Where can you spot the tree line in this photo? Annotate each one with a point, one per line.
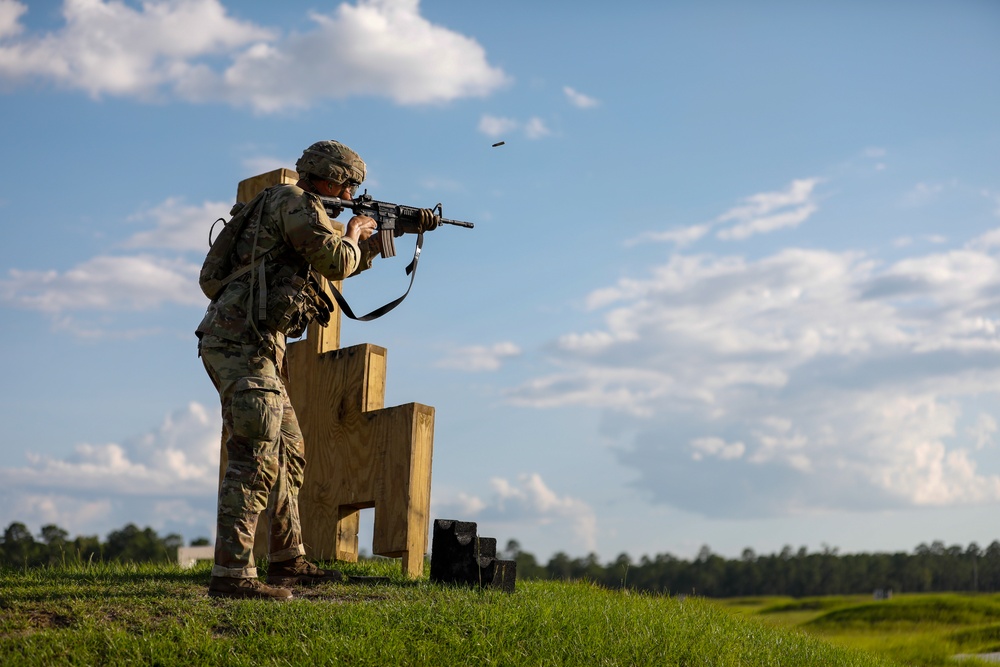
(52, 546)
(797, 573)
(929, 568)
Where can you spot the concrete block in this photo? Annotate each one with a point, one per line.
(460, 556)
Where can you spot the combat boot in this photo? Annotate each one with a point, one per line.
(300, 571)
(246, 589)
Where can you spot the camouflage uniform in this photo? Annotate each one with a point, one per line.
(243, 346)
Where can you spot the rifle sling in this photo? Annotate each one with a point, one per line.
(382, 310)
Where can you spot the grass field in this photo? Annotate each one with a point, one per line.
(157, 615)
(916, 629)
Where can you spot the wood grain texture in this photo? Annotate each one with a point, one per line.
(249, 188)
(327, 338)
(360, 455)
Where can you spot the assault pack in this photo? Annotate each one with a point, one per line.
(217, 270)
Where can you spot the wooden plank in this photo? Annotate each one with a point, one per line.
(360, 455)
(326, 339)
(346, 548)
(328, 393)
(249, 188)
(374, 379)
(403, 488)
(418, 517)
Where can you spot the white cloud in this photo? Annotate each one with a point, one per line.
(983, 430)
(578, 99)
(81, 299)
(109, 283)
(39, 509)
(179, 227)
(374, 47)
(922, 194)
(634, 391)
(262, 164)
(480, 357)
(758, 214)
(180, 458)
(528, 501)
(680, 236)
(84, 514)
(112, 48)
(535, 128)
(168, 476)
(498, 126)
(10, 17)
(831, 379)
(716, 447)
(990, 239)
(769, 211)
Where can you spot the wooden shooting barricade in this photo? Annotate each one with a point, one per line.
(359, 454)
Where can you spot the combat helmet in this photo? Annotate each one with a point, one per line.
(332, 161)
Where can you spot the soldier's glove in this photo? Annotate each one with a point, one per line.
(428, 220)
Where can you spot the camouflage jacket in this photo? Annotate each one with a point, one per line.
(295, 238)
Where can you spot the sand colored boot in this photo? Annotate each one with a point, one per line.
(246, 589)
(299, 571)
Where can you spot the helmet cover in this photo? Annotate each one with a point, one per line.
(331, 161)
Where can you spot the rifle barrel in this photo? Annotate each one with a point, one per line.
(459, 223)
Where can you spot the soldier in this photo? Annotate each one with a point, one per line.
(286, 240)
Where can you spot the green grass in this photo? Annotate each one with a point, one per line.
(156, 615)
(917, 629)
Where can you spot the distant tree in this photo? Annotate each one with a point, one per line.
(560, 566)
(53, 535)
(19, 547)
(528, 567)
(200, 542)
(86, 549)
(989, 568)
(54, 539)
(934, 567)
(130, 544)
(511, 551)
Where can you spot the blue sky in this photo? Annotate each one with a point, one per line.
(734, 279)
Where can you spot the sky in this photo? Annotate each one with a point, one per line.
(734, 279)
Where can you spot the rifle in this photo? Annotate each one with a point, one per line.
(392, 219)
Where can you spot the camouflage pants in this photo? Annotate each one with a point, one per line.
(265, 452)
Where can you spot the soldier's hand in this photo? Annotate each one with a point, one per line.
(360, 227)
